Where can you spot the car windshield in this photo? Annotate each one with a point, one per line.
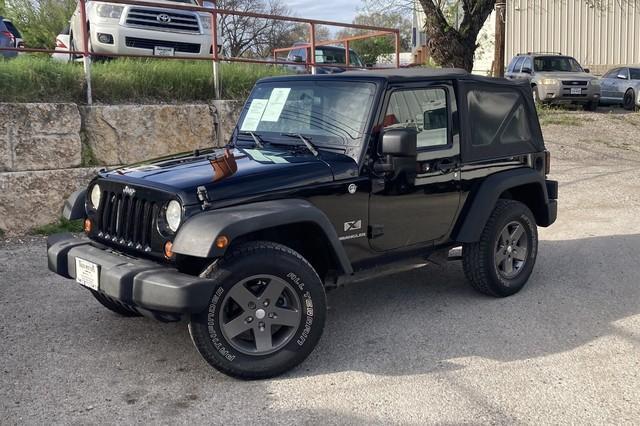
(337, 56)
(556, 63)
(635, 73)
(328, 112)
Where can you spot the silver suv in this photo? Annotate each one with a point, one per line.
(556, 78)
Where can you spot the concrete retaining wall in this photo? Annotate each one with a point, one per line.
(48, 151)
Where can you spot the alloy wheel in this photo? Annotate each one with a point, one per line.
(260, 314)
(511, 250)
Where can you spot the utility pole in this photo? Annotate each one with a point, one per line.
(498, 58)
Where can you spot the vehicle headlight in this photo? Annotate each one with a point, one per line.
(173, 215)
(205, 20)
(109, 11)
(549, 81)
(594, 82)
(95, 196)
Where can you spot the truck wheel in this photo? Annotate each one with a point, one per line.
(501, 262)
(266, 314)
(114, 306)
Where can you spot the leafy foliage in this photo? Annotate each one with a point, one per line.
(40, 21)
(370, 49)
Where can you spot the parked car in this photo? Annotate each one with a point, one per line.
(326, 180)
(143, 30)
(556, 78)
(63, 42)
(7, 39)
(18, 40)
(328, 58)
(621, 86)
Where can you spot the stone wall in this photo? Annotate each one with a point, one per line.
(47, 151)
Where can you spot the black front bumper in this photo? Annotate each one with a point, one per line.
(150, 287)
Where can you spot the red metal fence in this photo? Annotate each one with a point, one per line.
(216, 57)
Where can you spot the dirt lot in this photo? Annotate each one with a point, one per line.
(411, 348)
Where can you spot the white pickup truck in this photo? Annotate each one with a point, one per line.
(144, 30)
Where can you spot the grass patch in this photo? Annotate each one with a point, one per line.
(1, 233)
(32, 78)
(556, 115)
(62, 225)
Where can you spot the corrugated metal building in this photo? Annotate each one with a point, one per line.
(599, 37)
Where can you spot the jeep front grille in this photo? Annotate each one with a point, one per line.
(163, 20)
(126, 220)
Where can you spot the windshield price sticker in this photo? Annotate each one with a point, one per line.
(276, 103)
(252, 119)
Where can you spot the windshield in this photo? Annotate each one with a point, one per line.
(635, 73)
(556, 63)
(337, 56)
(328, 112)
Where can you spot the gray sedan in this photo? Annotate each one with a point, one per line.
(621, 86)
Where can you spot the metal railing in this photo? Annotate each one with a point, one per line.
(216, 57)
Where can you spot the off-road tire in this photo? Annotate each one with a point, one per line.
(479, 258)
(240, 265)
(536, 95)
(114, 305)
(629, 100)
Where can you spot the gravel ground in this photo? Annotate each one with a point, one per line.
(413, 348)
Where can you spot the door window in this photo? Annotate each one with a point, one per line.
(425, 110)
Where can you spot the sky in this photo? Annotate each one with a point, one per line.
(330, 10)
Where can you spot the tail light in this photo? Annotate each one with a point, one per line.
(60, 44)
(547, 162)
(10, 35)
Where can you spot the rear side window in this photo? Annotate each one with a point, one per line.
(12, 29)
(498, 123)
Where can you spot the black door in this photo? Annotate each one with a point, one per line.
(419, 204)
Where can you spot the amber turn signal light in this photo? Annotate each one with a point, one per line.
(168, 249)
(88, 225)
(222, 242)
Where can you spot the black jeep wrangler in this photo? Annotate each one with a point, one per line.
(325, 179)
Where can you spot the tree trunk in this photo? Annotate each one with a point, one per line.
(451, 47)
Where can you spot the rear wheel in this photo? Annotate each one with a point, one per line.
(501, 262)
(629, 100)
(266, 314)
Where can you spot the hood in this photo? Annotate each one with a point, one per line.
(236, 173)
(560, 75)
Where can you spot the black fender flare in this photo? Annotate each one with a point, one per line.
(197, 236)
(74, 205)
(478, 208)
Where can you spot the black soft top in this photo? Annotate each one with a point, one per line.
(403, 74)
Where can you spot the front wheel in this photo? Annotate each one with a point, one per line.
(501, 262)
(266, 314)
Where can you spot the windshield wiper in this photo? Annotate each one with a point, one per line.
(256, 139)
(305, 139)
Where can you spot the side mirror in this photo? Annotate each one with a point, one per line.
(587, 70)
(622, 76)
(297, 58)
(400, 142)
(526, 70)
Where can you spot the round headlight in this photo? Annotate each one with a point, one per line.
(173, 215)
(96, 194)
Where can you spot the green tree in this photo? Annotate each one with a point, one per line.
(370, 49)
(39, 21)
